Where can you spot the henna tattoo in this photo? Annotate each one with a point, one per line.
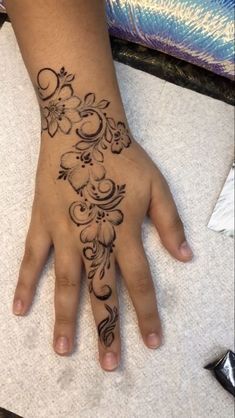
(61, 111)
(95, 210)
(107, 325)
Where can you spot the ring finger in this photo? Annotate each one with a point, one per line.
(136, 273)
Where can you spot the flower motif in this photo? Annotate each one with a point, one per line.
(81, 169)
(121, 139)
(102, 227)
(61, 112)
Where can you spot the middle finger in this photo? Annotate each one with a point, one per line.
(104, 301)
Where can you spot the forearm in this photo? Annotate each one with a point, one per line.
(71, 34)
(94, 183)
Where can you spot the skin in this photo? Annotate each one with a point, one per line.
(83, 47)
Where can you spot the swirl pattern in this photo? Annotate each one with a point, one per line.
(96, 209)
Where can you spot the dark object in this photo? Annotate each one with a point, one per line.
(224, 370)
(173, 70)
(7, 414)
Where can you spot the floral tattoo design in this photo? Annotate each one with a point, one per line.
(96, 208)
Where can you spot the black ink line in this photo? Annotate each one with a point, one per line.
(95, 211)
(107, 325)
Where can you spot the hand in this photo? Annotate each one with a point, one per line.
(93, 190)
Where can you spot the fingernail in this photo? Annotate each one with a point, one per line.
(186, 250)
(153, 341)
(62, 345)
(110, 361)
(17, 307)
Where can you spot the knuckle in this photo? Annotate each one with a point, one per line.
(148, 316)
(142, 285)
(62, 319)
(25, 285)
(63, 279)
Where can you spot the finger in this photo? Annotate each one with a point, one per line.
(136, 273)
(165, 217)
(68, 265)
(37, 247)
(104, 301)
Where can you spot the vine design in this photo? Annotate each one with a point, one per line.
(107, 325)
(96, 209)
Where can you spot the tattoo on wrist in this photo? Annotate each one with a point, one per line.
(64, 110)
(96, 209)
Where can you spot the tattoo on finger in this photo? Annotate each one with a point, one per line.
(96, 208)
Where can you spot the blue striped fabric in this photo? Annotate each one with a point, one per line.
(197, 31)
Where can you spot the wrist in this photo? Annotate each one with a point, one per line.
(95, 122)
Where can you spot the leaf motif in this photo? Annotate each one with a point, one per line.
(62, 175)
(110, 311)
(113, 204)
(101, 274)
(103, 104)
(109, 339)
(82, 145)
(70, 78)
(89, 99)
(107, 326)
(111, 123)
(97, 155)
(108, 135)
(103, 145)
(122, 188)
(91, 274)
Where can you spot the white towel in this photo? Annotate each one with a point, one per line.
(190, 137)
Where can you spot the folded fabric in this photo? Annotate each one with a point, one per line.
(222, 219)
(197, 31)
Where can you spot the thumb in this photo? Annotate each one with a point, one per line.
(165, 217)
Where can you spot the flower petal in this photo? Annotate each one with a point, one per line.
(106, 234)
(78, 177)
(65, 125)
(97, 172)
(115, 217)
(116, 147)
(73, 103)
(52, 126)
(126, 141)
(45, 111)
(70, 160)
(66, 92)
(43, 122)
(72, 115)
(89, 233)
